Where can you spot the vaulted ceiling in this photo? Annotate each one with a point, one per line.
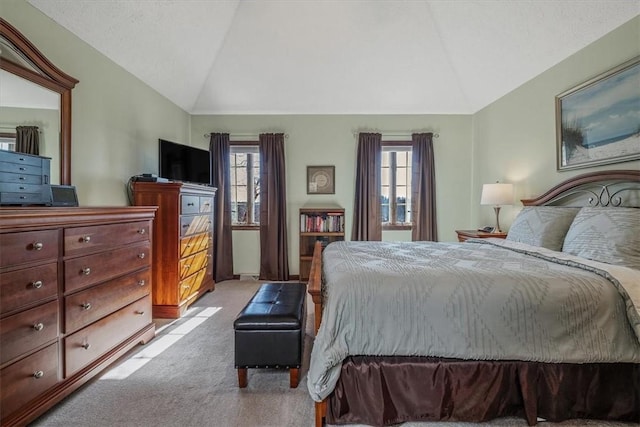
(337, 57)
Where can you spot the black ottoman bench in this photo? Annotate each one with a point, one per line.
(269, 331)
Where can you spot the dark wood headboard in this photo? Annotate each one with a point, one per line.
(604, 188)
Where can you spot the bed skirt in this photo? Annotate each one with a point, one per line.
(381, 391)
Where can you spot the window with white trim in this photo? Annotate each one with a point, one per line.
(8, 143)
(395, 194)
(245, 185)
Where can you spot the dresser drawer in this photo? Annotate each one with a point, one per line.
(27, 330)
(191, 284)
(206, 204)
(192, 244)
(194, 224)
(19, 187)
(28, 378)
(22, 287)
(189, 204)
(39, 198)
(87, 306)
(17, 158)
(210, 262)
(18, 178)
(193, 263)
(28, 246)
(86, 345)
(81, 240)
(91, 269)
(22, 168)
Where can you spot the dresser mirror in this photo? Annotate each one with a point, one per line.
(34, 92)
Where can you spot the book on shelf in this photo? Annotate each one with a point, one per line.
(321, 223)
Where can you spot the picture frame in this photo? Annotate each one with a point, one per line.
(321, 180)
(597, 121)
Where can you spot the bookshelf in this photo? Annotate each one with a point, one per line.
(324, 223)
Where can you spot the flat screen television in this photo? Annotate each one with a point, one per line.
(184, 163)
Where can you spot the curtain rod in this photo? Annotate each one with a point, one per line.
(14, 127)
(394, 134)
(246, 136)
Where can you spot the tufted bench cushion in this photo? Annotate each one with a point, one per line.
(269, 331)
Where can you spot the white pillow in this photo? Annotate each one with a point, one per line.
(543, 226)
(610, 235)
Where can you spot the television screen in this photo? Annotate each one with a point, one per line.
(184, 163)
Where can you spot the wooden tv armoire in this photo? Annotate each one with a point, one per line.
(183, 243)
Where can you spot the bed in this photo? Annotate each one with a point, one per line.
(542, 325)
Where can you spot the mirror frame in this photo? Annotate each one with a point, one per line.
(50, 77)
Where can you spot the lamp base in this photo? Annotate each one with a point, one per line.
(497, 210)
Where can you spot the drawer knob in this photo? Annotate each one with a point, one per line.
(86, 239)
(141, 282)
(37, 284)
(86, 306)
(142, 231)
(86, 271)
(22, 169)
(140, 312)
(38, 374)
(191, 204)
(38, 246)
(22, 178)
(38, 326)
(141, 255)
(86, 346)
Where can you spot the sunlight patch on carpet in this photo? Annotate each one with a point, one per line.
(165, 338)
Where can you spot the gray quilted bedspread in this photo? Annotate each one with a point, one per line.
(481, 300)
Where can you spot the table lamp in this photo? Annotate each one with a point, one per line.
(497, 195)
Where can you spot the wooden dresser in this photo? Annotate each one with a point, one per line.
(75, 287)
(183, 244)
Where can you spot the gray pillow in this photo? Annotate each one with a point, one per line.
(543, 226)
(610, 235)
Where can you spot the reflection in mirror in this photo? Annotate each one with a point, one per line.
(24, 103)
(26, 70)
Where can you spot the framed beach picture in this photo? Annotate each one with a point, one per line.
(598, 122)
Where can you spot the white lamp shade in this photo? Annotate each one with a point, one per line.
(497, 194)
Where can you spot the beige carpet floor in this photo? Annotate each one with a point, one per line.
(185, 377)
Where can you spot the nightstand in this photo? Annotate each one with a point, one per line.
(475, 234)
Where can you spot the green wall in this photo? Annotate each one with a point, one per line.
(330, 140)
(514, 138)
(117, 119)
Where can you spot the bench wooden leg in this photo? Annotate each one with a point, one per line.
(242, 377)
(293, 377)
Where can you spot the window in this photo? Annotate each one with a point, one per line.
(8, 141)
(395, 193)
(245, 185)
